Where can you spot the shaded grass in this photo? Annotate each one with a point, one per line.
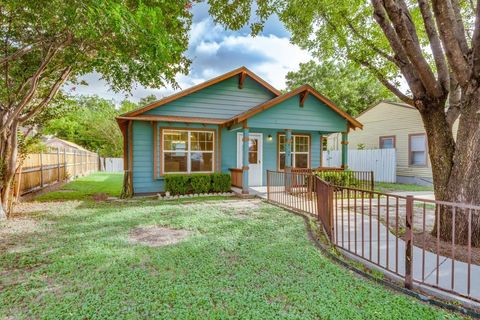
(392, 187)
(84, 187)
(244, 259)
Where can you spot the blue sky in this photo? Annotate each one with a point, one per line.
(214, 50)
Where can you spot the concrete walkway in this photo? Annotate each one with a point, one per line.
(429, 195)
(374, 242)
(366, 238)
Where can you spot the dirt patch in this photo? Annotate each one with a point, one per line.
(100, 196)
(429, 242)
(156, 236)
(18, 226)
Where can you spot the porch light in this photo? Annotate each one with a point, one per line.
(269, 138)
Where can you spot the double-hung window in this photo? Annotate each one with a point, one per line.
(188, 151)
(300, 151)
(417, 148)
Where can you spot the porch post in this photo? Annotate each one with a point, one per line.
(245, 160)
(321, 151)
(345, 150)
(288, 150)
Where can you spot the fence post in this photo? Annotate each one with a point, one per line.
(372, 182)
(41, 169)
(58, 165)
(74, 163)
(409, 243)
(268, 185)
(64, 163)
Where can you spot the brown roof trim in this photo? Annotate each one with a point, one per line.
(152, 117)
(305, 88)
(200, 86)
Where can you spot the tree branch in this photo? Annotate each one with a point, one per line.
(33, 87)
(435, 44)
(371, 44)
(461, 35)
(447, 27)
(390, 86)
(53, 91)
(406, 67)
(405, 29)
(17, 54)
(476, 44)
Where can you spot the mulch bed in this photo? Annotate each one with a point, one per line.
(445, 248)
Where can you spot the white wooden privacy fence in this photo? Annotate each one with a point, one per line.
(382, 162)
(111, 164)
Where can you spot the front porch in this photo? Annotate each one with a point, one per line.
(259, 150)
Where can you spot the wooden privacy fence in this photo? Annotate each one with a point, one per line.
(52, 166)
(383, 162)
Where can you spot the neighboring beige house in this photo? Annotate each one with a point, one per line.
(394, 125)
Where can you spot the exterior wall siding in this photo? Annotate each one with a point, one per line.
(388, 119)
(143, 175)
(220, 101)
(314, 115)
(269, 160)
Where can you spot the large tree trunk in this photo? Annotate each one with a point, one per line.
(8, 155)
(456, 169)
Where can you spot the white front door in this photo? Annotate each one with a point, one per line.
(255, 154)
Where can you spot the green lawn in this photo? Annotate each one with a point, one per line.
(392, 187)
(86, 187)
(244, 259)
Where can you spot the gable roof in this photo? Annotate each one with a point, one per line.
(305, 89)
(240, 71)
(393, 103)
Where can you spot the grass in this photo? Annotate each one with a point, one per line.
(86, 187)
(244, 259)
(393, 187)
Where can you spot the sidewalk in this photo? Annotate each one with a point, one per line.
(355, 238)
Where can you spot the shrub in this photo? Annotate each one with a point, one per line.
(221, 182)
(177, 183)
(339, 178)
(200, 183)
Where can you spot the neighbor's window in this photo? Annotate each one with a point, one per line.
(300, 151)
(387, 142)
(417, 146)
(187, 151)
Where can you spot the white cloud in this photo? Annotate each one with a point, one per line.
(214, 51)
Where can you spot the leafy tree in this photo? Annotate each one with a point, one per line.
(89, 122)
(45, 43)
(147, 100)
(345, 84)
(433, 45)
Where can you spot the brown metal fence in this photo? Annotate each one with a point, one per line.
(298, 189)
(403, 236)
(39, 170)
(423, 242)
(293, 190)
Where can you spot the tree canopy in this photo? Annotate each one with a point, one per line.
(88, 121)
(45, 43)
(347, 85)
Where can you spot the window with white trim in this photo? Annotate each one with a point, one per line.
(188, 151)
(300, 151)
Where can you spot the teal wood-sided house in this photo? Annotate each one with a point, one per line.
(234, 123)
